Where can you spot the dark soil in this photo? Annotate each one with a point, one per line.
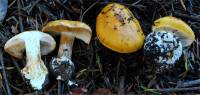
(97, 66)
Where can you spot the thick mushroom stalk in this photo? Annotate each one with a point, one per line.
(66, 44)
(62, 66)
(35, 70)
(35, 44)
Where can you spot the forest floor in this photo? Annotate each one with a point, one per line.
(99, 70)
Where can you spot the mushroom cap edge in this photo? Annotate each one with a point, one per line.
(16, 45)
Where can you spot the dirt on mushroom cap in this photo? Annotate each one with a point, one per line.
(118, 29)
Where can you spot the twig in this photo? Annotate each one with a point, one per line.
(8, 68)
(44, 9)
(59, 86)
(18, 69)
(183, 5)
(34, 93)
(81, 18)
(17, 89)
(33, 5)
(135, 3)
(19, 17)
(121, 86)
(67, 9)
(189, 83)
(52, 88)
(12, 3)
(178, 89)
(4, 73)
(195, 18)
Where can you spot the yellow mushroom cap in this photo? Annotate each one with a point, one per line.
(177, 26)
(118, 29)
(77, 29)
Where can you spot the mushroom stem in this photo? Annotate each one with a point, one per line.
(63, 63)
(66, 44)
(35, 70)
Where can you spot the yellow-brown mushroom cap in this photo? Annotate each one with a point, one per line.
(177, 26)
(118, 29)
(77, 29)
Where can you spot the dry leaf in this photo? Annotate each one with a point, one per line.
(78, 91)
(14, 29)
(102, 91)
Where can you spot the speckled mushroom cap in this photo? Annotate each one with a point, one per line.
(163, 46)
(118, 29)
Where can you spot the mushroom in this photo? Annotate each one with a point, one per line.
(166, 43)
(164, 48)
(3, 9)
(62, 66)
(35, 43)
(118, 29)
(177, 27)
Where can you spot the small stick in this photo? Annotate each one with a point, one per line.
(18, 69)
(178, 89)
(19, 17)
(189, 83)
(71, 12)
(121, 85)
(52, 88)
(34, 93)
(195, 18)
(17, 89)
(33, 5)
(59, 86)
(81, 17)
(46, 11)
(8, 68)
(4, 73)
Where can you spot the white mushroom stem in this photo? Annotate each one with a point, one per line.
(35, 70)
(35, 43)
(66, 45)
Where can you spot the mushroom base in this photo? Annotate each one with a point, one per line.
(162, 68)
(163, 48)
(36, 74)
(159, 68)
(62, 68)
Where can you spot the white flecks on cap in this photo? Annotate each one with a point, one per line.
(164, 46)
